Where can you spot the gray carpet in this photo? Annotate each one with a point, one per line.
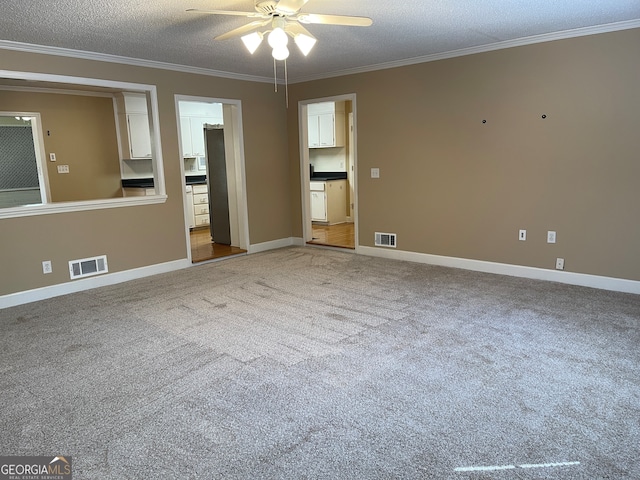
(306, 363)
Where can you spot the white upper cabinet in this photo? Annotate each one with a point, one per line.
(134, 121)
(193, 117)
(139, 135)
(326, 125)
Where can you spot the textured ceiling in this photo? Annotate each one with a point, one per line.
(163, 31)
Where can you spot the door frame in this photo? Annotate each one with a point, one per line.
(38, 146)
(305, 174)
(232, 109)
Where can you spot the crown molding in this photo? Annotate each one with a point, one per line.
(518, 42)
(136, 62)
(104, 57)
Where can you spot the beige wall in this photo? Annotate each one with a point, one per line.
(140, 236)
(451, 185)
(82, 134)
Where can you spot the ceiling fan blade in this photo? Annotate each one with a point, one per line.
(242, 30)
(295, 28)
(335, 20)
(225, 12)
(289, 7)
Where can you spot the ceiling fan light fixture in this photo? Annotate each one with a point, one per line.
(304, 42)
(277, 38)
(252, 41)
(280, 53)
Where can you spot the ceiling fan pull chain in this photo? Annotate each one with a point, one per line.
(275, 76)
(286, 83)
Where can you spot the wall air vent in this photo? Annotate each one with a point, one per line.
(385, 240)
(87, 267)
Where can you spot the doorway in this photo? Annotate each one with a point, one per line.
(328, 171)
(212, 154)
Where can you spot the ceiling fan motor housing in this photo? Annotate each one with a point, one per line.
(266, 7)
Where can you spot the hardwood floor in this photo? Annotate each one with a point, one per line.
(203, 249)
(340, 235)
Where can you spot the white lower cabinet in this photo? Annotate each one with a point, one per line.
(318, 207)
(200, 203)
(329, 201)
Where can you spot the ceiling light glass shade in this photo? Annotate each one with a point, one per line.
(305, 43)
(252, 41)
(277, 38)
(280, 53)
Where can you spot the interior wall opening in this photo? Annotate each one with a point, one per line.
(213, 165)
(328, 155)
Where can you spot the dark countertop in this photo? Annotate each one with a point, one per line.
(327, 176)
(137, 182)
(195, 179)
(148, 182)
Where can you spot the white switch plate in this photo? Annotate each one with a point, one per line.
(52, 157)
(63, 168)
(559, 263)
(46, 267)
(375, 173)
(551, 237)
(522, 235)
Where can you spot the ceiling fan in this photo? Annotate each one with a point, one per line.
(282, 19)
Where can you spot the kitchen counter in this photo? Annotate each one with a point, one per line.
(148, 182)
(137, 182)
(195, 180)
(327, 176)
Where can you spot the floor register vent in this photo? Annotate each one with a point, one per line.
(385, 240)
(87, 267)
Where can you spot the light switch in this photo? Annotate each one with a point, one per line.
(63, 168)
(375, 173)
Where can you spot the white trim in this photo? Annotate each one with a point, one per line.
(28, 296)
(94, 82)
(274, 244)
(517, 42)
(57, 91)
(138, 62)
(571, 278)
(64, 207)
(158, 167)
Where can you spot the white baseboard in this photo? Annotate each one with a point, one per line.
(571, 278)
(273, 244)
(36, 294)
(28, 296)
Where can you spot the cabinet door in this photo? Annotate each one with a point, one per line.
(197, 135)
(185, 135)
(139, 135)
(326, 127)
(313, 133)
(318, 206)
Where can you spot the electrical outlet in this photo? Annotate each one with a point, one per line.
(375, 173)
(551, 237)
(46, 267)
(522, 235)
(63, 168)
(52, 157)
(559, 263)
